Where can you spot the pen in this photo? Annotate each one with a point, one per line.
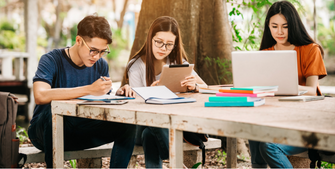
(103, 79)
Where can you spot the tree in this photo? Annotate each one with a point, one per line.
(123, 12)
(205, 31)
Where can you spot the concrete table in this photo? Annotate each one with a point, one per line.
(305, 124)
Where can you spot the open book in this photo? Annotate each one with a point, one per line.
(160, 95)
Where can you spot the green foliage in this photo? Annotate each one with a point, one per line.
(326, 37)
(73, 32)
(248, 38)
(196, 165)
(5, 25)
(221, 157)
(9, 39)
(117, 45)
(242, 158)
(222, 67)
(327, 165)
(73, 163)
(22, 134)
(2, 3)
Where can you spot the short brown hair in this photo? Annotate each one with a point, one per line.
(95, 26)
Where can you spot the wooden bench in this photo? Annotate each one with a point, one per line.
(37, 156)
(13, 78)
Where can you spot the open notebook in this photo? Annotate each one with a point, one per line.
(160, 95)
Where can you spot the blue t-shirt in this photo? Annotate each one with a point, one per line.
(58, 70)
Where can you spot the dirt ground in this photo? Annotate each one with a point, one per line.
(213, 161)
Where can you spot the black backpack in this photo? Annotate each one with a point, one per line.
(9, 143)
(197, 139)
(314, 156)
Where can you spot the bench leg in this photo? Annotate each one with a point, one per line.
(192, 157)
(89, 163)
(132, 162)
(231, 153)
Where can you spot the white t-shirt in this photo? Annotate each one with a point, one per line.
(137, 76)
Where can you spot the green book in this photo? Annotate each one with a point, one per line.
(235, 104)
(256, 88)
(233, 99)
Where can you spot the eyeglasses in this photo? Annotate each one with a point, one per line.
(95, 52)
(160, 44)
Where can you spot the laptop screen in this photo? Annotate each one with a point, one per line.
(266, 68)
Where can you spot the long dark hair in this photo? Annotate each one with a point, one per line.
(164, 24)
(297, 34)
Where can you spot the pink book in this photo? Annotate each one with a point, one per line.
(246, 94)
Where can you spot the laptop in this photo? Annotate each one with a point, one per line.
(267, 68)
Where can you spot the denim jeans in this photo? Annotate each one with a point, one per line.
(155, 143)
(272, 154)
(81, 133)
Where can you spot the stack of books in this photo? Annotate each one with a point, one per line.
(241, 97)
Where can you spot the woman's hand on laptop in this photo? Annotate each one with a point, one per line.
(190, 82)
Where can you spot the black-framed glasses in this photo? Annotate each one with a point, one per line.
(160, 44)
(95, 52)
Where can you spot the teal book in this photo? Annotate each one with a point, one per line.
(256, 88)
(233, 99)
(235, 104)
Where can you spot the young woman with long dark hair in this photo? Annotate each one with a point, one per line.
(163, 46)
(285, 31)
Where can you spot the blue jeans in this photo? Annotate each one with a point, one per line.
(272, 154)
(155, 143)
(80, 133)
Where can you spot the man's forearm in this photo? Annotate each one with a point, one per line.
(45, 96)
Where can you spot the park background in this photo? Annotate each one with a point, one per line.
(211, 29)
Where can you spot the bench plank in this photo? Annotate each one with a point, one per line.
(35, 155)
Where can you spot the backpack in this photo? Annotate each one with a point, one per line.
(314, 156)
(9, 143)
(197, 139)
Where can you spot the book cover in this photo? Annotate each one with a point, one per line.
(233, 99)
(251, 90)
(235, 104)
(302, 98)
(160, 95)
(256, 88)
(155, 100)
(265, 94)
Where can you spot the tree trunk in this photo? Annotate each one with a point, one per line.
(205, 32)
(58, 24)
(123, 12)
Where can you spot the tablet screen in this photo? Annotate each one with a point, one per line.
(173, 75)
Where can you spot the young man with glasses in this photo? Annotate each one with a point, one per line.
(73, 72)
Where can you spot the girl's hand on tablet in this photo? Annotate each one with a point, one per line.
(189, 82)
(155, 83)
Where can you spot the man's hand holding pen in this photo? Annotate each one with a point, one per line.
(106, 85)
(101, 86)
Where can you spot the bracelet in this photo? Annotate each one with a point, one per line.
(195, 88)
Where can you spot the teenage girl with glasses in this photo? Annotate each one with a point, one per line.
(163, 46)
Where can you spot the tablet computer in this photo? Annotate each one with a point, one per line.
(173, 75)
